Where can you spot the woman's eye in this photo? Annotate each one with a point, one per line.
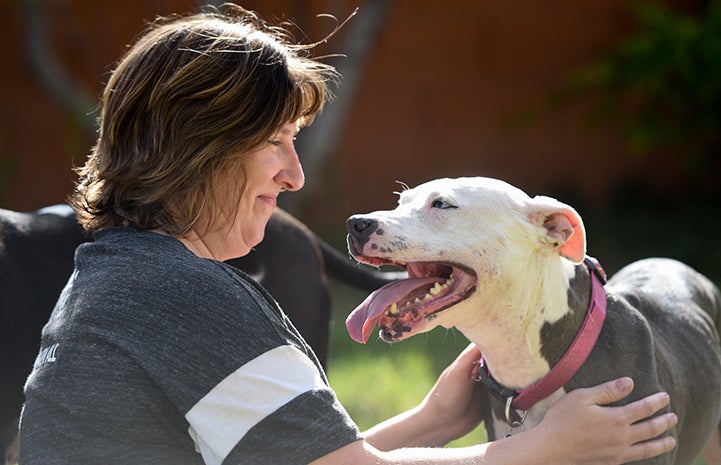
(442, 204)
(275, 142)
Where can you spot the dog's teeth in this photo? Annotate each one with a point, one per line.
(393, 310)
(432, 292)
(435, 289)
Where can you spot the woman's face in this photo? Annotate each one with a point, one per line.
(273, 168)
(270, 169)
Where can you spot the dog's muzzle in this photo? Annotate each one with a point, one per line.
(359, 230)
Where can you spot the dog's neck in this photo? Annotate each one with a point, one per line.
(557, 336)
(537, 321)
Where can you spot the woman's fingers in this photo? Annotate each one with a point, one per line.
(617, 389)
(644, 408)
(652, 427)
(644, 430)
(470, 357)
(619, 434)
(648, 449)
(610, 391)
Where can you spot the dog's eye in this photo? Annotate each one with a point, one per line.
(442, 204)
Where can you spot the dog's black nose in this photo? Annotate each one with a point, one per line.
(359, 230)
(361, 225)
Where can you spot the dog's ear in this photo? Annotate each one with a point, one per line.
(564, 228)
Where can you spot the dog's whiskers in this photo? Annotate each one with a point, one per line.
(403, 185)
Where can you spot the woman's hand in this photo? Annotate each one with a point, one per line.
(580, 424)
(587, 432)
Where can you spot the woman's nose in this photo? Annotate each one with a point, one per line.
(291, 177)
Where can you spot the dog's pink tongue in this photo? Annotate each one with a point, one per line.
(363, 319)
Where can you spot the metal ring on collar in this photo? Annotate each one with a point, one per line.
(514, 423)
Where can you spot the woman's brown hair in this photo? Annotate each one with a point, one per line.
(191, 97)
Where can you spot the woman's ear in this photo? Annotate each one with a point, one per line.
(563, 225)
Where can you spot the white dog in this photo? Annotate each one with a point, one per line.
(511, 273)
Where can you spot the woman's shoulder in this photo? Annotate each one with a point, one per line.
(153, 263)
(144, 270)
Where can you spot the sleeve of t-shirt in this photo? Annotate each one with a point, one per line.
(274, 409)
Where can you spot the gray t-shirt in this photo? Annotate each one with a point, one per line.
(155, 356)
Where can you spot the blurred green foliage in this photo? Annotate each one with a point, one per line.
(662, 85)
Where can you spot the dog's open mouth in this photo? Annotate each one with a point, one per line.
(401, 306)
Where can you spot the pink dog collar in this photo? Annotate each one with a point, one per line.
(570, 362)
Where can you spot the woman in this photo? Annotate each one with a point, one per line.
(157, 352)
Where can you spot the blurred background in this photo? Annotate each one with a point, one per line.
(611, 106)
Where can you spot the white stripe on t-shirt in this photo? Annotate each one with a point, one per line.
(223, 416)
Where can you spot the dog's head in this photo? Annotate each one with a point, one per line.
(469, 245)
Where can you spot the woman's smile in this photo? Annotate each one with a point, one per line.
(269, 199)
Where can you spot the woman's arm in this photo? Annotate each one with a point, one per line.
(577, 430)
